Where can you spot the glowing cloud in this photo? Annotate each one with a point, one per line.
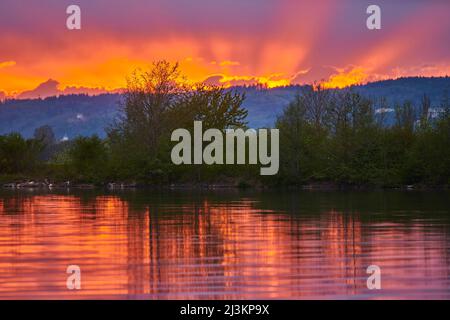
(7, 64)
(229, 42)
(345, 78)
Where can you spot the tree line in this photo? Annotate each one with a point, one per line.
(329, 135)
(326, 135)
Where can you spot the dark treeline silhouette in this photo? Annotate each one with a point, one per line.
(337, 136)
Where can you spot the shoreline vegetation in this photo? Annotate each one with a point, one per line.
(329, 139)
(36, 185)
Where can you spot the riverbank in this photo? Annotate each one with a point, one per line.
(230, 183)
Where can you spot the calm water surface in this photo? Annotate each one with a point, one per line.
(225, 245)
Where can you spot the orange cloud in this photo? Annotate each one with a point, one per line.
(6, 64)
(229, 63)
(345, 78)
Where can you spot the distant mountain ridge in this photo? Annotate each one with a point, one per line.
(73, 115)
(50, 88)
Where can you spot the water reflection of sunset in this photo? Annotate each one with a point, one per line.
(210, 249)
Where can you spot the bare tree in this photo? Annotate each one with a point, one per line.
(147, 98)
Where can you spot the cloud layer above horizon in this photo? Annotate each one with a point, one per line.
(233, 42)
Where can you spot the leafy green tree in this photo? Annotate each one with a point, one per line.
(215, 106)
(303, 144)
(147, 98)
(155, 103)
(45, 135)
(405, 116)
(88, 157)
(18, 155)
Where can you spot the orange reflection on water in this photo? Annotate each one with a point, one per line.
(211, 249)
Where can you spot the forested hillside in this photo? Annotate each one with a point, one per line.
(85, 115)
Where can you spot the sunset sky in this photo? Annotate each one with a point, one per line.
(232, 42)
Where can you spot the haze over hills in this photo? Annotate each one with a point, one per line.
(81, 114)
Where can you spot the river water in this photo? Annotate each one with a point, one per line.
(224, 245)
